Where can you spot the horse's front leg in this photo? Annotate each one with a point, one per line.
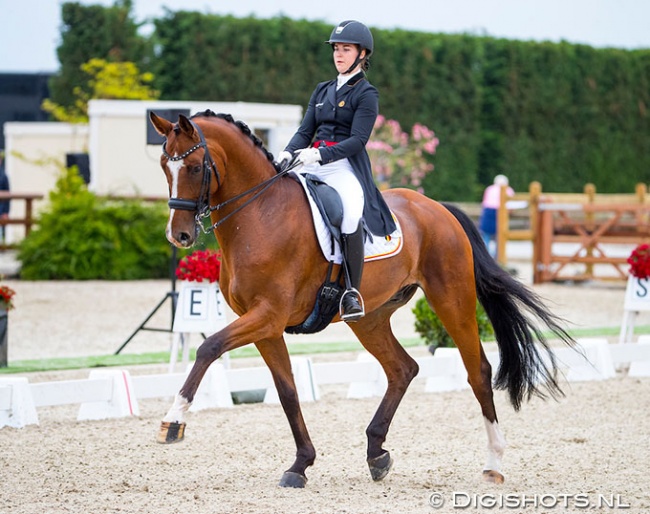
(242, 331)
(276, 357)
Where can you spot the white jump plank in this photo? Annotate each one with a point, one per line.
(344, 372)
(5, 397)
(247, 379)
(49, 394)
(157, 386)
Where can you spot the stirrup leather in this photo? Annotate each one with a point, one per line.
(352, 316)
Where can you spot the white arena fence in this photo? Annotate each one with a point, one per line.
(110, 393)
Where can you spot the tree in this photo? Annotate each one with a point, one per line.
(90, 32)
(108, 80)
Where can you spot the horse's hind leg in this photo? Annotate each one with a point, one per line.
(458, 314)
(376, 336)
(277, 359)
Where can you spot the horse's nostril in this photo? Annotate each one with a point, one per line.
(184, 238)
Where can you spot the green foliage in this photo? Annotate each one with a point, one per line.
(558, 113)
(95, 31)
(431, 329)
(107, 80)
(81, 236)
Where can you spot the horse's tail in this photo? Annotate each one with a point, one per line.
(523, 369)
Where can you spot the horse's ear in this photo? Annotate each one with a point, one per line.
(185, 125)
(162, 126)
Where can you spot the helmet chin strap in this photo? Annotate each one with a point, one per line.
(356, 63)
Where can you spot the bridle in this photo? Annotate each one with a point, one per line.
(201, 207)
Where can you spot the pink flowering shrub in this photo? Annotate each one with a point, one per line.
(399, 159)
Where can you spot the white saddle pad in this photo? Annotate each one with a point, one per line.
(378, 248)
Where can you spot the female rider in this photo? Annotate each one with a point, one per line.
(331, 144)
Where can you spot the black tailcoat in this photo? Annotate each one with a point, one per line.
(347, 116)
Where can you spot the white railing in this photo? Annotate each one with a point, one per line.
(111, 393)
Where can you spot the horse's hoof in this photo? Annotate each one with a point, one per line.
(494, 477)
(292, 479)
(380, 466)
(171, 432)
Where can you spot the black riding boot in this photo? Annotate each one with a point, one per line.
(351, 301)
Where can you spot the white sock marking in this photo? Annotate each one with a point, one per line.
(496, 445)
(177, 413)
(174, 168)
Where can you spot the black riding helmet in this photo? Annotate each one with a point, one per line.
(355, 32)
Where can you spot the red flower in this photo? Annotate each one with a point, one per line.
(639, 261)
(200, 265)
(6, 297)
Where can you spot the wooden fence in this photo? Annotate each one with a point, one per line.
(587, 221)
(27, 221)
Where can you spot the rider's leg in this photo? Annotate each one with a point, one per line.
(352, 248)
(340, 176)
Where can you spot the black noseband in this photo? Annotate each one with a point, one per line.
(183, 205)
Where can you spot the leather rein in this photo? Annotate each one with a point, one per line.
(202, 206)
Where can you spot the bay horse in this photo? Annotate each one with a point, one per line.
(272, 268)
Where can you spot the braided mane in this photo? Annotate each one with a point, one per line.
(243, 127)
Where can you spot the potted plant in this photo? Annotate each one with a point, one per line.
(435, 335)
(199, 266)
(637, 292)
(639, 261)
(200, 306)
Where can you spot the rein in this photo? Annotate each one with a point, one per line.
(202, 206)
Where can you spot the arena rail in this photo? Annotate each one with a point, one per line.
(585, 219)
(27, 221)
(111, 393)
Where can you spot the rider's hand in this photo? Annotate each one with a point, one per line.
(284, 158)
(308, 156)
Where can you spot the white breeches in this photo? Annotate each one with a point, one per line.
(340, 176)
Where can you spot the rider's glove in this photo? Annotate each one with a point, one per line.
(308, 156)
(284, 158)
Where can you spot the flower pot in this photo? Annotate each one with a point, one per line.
(4, 337)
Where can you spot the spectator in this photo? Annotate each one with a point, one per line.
(489, 209)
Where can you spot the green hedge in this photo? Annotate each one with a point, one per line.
(559, 113)
(80, 236)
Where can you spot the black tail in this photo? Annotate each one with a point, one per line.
(523, 370)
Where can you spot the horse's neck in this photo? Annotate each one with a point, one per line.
(245, 193)
(249, 172)
(267, 215)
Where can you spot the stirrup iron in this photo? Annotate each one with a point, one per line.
(352, 316)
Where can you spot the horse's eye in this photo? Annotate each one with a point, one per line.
(195, 170)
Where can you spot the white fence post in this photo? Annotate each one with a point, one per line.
(449, 374)
(371, 383)
(595, 364)
(17, 407)
(214, 390)
(303, 376)
(121, 402)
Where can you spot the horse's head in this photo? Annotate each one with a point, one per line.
(198, 154)
(191, 173)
